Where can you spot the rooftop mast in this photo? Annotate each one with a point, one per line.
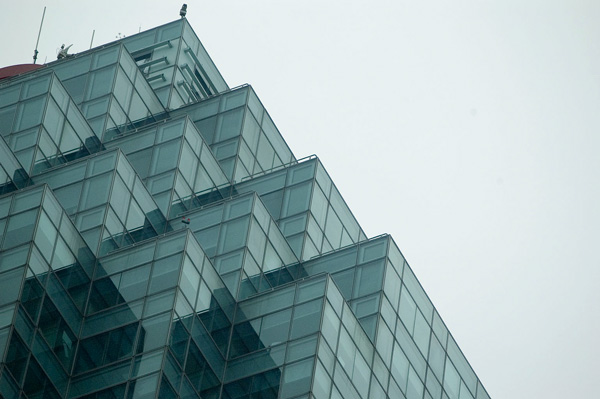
(35, 52)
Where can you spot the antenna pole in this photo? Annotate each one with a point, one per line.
(93, 32)
(35, 52)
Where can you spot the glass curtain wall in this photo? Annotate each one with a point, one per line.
(175, 64)
(12, 174)
(194, 256)
(175, 164)
(243, 242)
(107, 200)
(240, 132)
(42, 125)
(46, 270)
(307, 207)
(110, 90)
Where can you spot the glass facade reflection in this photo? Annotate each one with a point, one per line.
(175, 163)
(240, 132)
(42, 125)
(159, 239)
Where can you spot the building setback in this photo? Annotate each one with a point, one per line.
(158, 239)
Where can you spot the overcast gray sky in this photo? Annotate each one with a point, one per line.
(469, 130)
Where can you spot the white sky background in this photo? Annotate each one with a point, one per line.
(469, 130)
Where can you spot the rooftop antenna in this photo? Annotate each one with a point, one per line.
(92, 41)
(35, 52)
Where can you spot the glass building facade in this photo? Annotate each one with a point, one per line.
(159, 239)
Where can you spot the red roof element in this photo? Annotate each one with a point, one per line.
(15, 70)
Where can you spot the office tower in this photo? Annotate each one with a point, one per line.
(159, 239)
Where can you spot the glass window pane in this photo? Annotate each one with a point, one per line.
(165, 273)
(421, 334)
(27, 200)
(6, 119)
(10, 285)
(296, 199)
(101, 164)
(301, 173)
(307, 318)
(275, 328)
(10, 95)
(105, 57)
(95, 191)
(369, 278)
(35, 87)
(165, 157)
(451, 379)
(20, 228)
(75, 87)
(45, 236)
(297, 378)
(29, 113)
(229, 124)
(100, 83)
(233, 234)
